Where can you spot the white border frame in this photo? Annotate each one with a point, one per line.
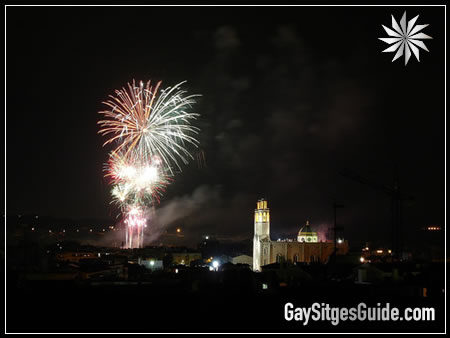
(283, 5)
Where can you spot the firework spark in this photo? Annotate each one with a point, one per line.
(136, 222)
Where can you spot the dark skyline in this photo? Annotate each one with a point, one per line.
(291, 96)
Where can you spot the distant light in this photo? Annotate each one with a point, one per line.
(32, 229)
(265, 286)
(49, 230)
(206, 237)
(64, 230)
(37, 216)
(90, 230)
(176, 270)
(362, 259)
(215, 264)
(152, 263)
(178, 230)
(389, 251)
(340, 240)
(103, 230)
(99, 254)
(367, 248)
(78, 230)
(379, 251)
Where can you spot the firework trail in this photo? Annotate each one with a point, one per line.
(151, 129)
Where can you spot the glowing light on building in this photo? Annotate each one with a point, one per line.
(362, 259)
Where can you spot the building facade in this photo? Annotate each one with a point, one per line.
(306, 248)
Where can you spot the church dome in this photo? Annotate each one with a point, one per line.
(305, 229)
(307, 235)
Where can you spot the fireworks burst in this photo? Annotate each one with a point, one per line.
(152, 129)
(151, 123)
(136, 181)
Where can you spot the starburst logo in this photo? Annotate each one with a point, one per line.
(405, 38)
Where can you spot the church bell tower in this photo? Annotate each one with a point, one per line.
(261, 234)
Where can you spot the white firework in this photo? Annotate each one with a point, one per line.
(405, 38)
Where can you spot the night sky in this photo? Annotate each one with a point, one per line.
(291, 96)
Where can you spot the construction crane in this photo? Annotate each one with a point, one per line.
(336, 228)
(396, 202)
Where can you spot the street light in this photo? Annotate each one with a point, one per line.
(215, 265)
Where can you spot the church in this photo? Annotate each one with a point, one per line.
(306, 248)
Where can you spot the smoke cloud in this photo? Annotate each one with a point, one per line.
(202, 200)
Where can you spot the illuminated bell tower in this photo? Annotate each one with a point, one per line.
(261, 234)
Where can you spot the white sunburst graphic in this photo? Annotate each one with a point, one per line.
(405, 38)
